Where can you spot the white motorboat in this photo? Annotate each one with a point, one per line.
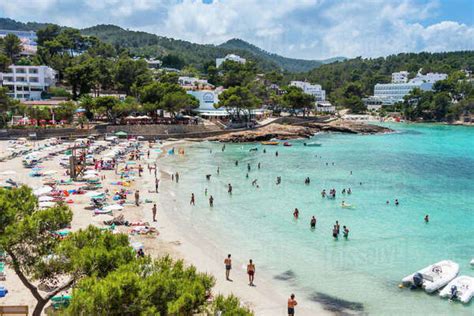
(434, 276)
(461, 288)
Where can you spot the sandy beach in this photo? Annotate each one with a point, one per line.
(174, 240)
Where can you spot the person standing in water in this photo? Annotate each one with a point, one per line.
(396, 202)
(236, 163)
(218, 170)
(228, 267)
(229, 190)
(338, 227)
(296, 213)
(211, 201)
(313, 222)
(251, 272)
(334, 232)
(345, 232)
(205, 191)
(291, 305)
(192, 202)
(427, 219)
(258, 165)
(248, 167)
(154, 212)
(276, 153)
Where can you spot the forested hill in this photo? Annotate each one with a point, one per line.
(183, 52)
(369, 71)
(196, 54)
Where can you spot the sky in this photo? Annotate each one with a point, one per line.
(308, 29)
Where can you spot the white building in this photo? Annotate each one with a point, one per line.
(231, 57)
(192, 82)
(400, 77)
(27, 82)
(391, 93)
(325, 107)
(313, 89)
(207, 101)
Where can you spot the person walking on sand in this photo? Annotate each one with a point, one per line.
(251, 272)
(211, 201)
(177, 177)
(137, 198)
(157, 183)
(140, 170)
(192, 202)
(228, 267)
(291, 305)
(154, 212)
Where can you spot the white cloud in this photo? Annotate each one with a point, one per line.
(295, 28)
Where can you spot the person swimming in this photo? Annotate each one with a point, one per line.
(296, 213)
(396, 202)
(312, 223)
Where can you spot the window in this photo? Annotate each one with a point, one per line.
(33, 79)
(33, 71)
(20, 70)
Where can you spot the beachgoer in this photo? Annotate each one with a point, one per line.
(223, 147)
(396, 202)
(251, 272)
(334, 232)
(343, 191)
(177, 177)
(137, 198)
(291, 305)
(208, 177)
(218, 170)
(258, 166)
(140, 253)
(313, 222)
(228, 267)
(264, 151)
(427, 219)
(157, 183)
(211, 201)
(349, 191)
(192, 202)
(172, 177)
(323, 193)
(345, 232)
(296, 213)
(338, 227)
(254, 182)
(247, 175)
(205, 191)
(236, 162)
(148, 154)
(229, 190)
(248, 167)
(140, 170)
(276, 153)
(388, 202)
(154, 212)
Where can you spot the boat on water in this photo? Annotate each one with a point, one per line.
(312, 144)
(461, 289)
(287, 144)
(271, 143)
(433, 277)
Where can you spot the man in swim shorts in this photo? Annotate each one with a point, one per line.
(251, 272)
(228, 267)
(291, 305)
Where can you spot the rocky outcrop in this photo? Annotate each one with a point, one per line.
(305, 130)
(272, 131)
(342, 126)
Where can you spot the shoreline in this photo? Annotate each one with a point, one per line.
(267, 298)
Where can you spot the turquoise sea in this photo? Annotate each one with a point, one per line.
(428, 168)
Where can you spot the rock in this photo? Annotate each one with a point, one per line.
(303, 130)
(277, 131)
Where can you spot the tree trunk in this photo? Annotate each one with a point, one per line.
(39, 307)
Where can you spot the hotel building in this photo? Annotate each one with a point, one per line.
(27, 82)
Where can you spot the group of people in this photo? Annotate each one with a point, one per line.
(336, 231)
(251, 276)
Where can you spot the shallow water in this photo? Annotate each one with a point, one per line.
(428, 168)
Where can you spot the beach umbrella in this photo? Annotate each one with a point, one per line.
(93, 193)
(50, 172)
(45, 198)
(91, 176)
(42, 191)
(121, 134)
(46, 204)
(113, 207)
